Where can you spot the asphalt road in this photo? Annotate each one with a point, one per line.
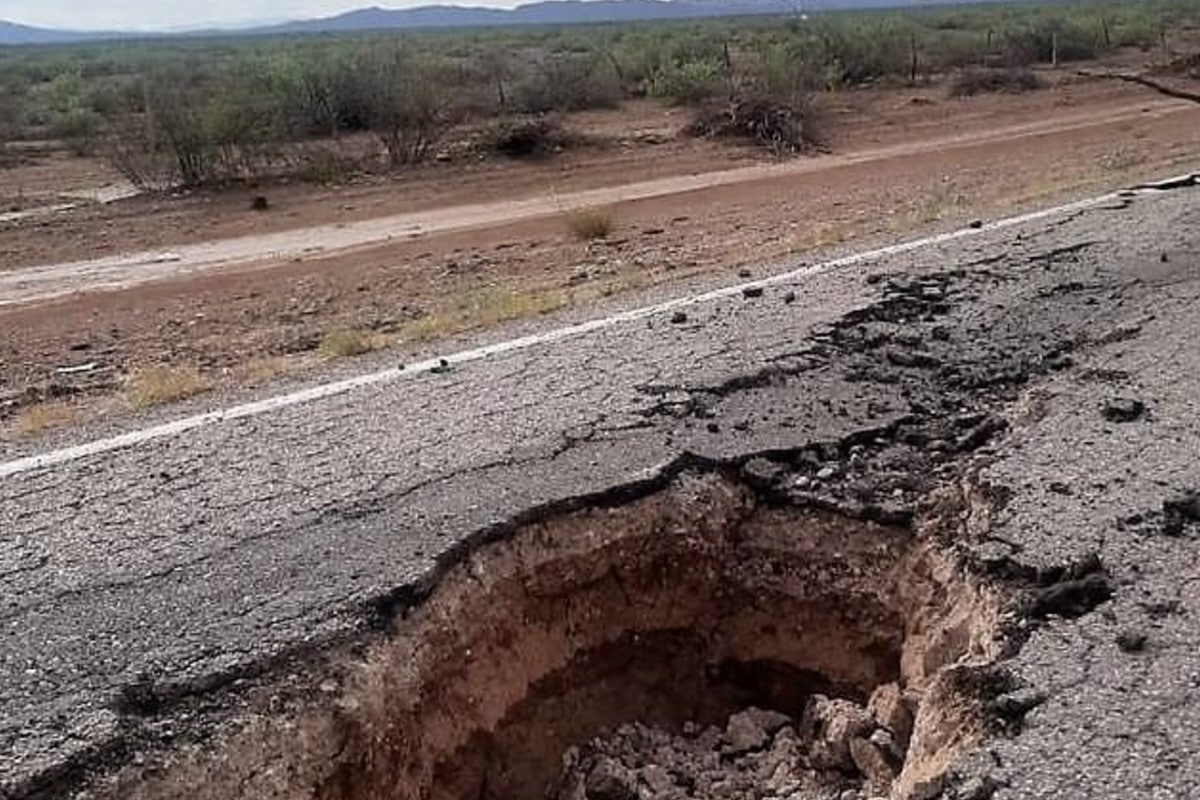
(178, 563)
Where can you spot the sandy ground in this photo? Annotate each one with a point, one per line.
(200, 283)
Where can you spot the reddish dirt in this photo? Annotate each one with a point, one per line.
(238, 325)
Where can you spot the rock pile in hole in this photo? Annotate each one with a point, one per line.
(836, 750)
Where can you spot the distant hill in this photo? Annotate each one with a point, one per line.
(547, 12)
(12, 33)
(563, 12)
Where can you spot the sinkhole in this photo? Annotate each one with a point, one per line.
(699, 641)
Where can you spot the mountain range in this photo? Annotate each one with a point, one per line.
(547, 12)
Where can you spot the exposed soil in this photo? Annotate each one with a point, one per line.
(741, 636)
(893, 170)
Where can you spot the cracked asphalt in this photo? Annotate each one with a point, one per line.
(136, 581)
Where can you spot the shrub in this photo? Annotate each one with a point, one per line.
(8, 126)
(591, 224)
(326, 165)
(690, 83)
(782, 127)
(979, 81)
(80, 129)
(1036, 44)
(857, 53)
(185, 136)
(526, 137)
(408, 104)
(568, 82)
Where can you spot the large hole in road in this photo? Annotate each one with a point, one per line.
(695, 642)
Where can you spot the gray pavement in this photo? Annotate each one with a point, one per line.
(187, 563)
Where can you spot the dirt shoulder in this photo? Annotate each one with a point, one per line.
(902, 161)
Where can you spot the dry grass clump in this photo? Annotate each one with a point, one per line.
(345, 343)
(36, 419)
(486, 307)
(258, 371)
(161, 384)
(590, 224)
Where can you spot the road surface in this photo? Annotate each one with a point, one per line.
(144, 575)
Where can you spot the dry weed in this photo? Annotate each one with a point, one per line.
(590, 224)
(345, 343)
(38, 418)
(485, 307)
(161, 384)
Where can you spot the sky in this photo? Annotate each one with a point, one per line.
(168, 14)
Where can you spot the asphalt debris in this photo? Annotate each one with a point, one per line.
(1124, 409)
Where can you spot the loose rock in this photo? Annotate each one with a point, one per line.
(1131, 641)
(874, 764)
(834, 723)
(1125, 409)
(752, 729)
(889, 710)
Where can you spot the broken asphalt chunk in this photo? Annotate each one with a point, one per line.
(1124, 409)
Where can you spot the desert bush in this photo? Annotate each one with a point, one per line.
(781, 126)
(192, 139)
(944, 50)
(568, 82)
(772, 103)
(863, 52)
(690, 83)
(69, 115)
(322, 93)
(974, 81)
(9, 114)
(210, 110)
(326, 164)
(80, 129)
(1049, 38)
(407, 105)
(525, 137)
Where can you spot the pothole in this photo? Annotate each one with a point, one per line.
(696, 642)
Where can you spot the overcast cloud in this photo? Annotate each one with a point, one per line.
(158, 14)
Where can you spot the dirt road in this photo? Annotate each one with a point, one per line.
(229, 298)
(32, 284)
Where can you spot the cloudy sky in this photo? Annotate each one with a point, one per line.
(157, 14)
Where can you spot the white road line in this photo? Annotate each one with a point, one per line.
(180, 426)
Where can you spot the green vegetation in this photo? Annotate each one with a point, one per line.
(209, 111)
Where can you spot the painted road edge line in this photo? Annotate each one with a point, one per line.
(409, 371)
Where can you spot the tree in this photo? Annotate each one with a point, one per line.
(409, 102)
